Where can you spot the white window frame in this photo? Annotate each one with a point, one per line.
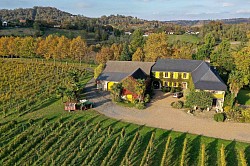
(168, 74)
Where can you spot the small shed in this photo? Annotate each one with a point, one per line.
(70, 106)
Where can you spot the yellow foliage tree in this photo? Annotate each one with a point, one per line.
(138, 55)
(156, 47)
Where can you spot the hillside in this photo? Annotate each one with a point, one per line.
(54, 15)
(49, 14)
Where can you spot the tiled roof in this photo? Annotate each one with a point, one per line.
(118, 70)
(176, 65)
(203, 76)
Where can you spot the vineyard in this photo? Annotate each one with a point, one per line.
(88, 138)
(32, 133)
(27, 85)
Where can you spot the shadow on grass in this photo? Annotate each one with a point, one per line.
(139, 152)
(195, 146)
(231, 155)
(40, 106)
(177, 149)
(212, 151)
(160, 147)
(247, 154)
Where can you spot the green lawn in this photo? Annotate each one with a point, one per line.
(244, 97)
(184, 38)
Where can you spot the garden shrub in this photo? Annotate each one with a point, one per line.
(178, 104)
(136, 101)
(164, 89)
(147, 98)
(246, 114)
(227, 109)
(219, 117)
(140, 106)
(172, 103)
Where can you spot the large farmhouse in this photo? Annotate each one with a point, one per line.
(186, 74)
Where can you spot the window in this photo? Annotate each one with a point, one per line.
(175, 84)
(165, 83)
(184, 85)
(166, 75)
(185, 75)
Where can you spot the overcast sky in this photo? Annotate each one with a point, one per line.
(146, 9)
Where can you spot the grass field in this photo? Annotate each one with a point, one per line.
(183, 38)
(52, 136)
(244, 97)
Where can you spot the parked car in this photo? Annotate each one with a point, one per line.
(177, 94)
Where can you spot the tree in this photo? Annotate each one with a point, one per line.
(137, 40)
(62, 48)
(221, 56)
(78, 48)
(156, 47)
(235, 82)
(116, 91)
(117, 50)
(28, 47)
(140, 88)
(138, 55)
(125, 54)
(104, 55)
(205, 50)
(200, 99)
(242, 63)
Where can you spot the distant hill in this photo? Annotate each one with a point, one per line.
(49, 14)
(202, 22)
(54, 15)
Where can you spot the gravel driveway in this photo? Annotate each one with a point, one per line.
(160, 114)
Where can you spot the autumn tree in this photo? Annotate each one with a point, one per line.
(28, 47)
(138, 55)
(4, 46)
(156, 47)
(62, 48)
(104, 55)
(78, 48)
(117, 50)
(242, 63)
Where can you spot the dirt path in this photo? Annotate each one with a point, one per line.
(160, 115)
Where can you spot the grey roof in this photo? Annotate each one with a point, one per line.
(203, 76)
(128, 66)
(112, 76)
(177, 65)
(118, 70)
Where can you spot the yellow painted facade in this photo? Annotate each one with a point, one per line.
(175, 75)
(157, 74)
(110, 84)
(218, 96)
(129, 98)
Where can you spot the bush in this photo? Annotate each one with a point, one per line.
(227, 109)
(140, 106)
(178, 104)
(147, 98)
(166, 89)
(219, 117)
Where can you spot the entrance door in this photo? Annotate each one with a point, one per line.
(214, 102)
(156, 84)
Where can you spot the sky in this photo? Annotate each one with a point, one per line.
(163, 10)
